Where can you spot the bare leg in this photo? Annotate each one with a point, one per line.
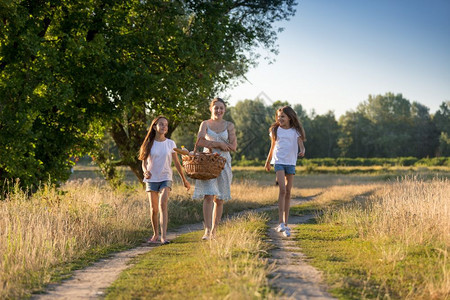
(287, 197)
(207, 213)
(153, 200)
(163, 215)
(217, 214)
(281, 195)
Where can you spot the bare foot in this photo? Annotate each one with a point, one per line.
(154, 239)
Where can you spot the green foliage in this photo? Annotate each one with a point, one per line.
(441, 118)
(442, 121)
(71, 72)
(423, 132)
(252, 121)
(399, 161)
(354, 137)
(244, 162)
(383, 126)
(321, 135)
(389, 126)
(434, 161)
(116, 64)
(185, 135)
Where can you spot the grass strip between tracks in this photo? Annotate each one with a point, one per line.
(233, 265)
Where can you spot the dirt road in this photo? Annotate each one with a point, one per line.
(292, 274)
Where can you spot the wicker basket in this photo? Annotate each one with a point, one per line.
(203, 166)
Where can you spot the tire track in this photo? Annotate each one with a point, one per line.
(292, 275)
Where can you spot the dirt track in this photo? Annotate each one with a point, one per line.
(292, 274)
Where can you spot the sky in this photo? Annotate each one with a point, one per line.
(333, 54)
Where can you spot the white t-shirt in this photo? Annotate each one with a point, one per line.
(285, 151)
(159, 162)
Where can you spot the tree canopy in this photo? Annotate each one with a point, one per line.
(72, 70)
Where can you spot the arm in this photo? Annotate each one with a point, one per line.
(186, 183)
(301, 147)
(201, 136)
(269, 156)
(147, 174)
(232, 137)
(203, 142)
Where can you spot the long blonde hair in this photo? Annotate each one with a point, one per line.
(146, 146)
(293, 122)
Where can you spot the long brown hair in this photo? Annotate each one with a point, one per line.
(293, 122)
(146, 146)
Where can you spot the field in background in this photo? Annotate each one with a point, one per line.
(55, 231)
(262, 177)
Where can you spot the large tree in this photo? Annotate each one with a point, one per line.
(253, 120)
(71, 70)
(354, 140)
(388, 126)
(424, 137)
(390, 118)
(322, 136)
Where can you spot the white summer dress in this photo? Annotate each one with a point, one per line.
(220, 186)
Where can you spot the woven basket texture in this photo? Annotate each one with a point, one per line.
(203, 166)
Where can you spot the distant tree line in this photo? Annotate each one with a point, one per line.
(382, 126)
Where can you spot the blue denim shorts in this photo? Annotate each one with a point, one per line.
(157, 186)
(288, 169)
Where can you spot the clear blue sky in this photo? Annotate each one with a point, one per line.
(334, 53)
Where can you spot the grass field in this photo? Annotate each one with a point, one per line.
(390, 241)
(366, 220)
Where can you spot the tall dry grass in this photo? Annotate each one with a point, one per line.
(405, 216)
(54, 227)
(413, 211)
(409, 210)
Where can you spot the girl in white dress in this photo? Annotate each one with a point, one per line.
(217, 135)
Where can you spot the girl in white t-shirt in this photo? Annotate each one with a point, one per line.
(157, 155)
(287, 137)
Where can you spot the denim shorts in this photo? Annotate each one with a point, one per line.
(288, 169)
(157, 186)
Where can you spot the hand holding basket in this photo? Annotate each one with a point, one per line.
(201, 165)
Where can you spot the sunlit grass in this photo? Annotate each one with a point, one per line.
(391, 241)
(53, 227)
(233, 266)
(46, 235)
